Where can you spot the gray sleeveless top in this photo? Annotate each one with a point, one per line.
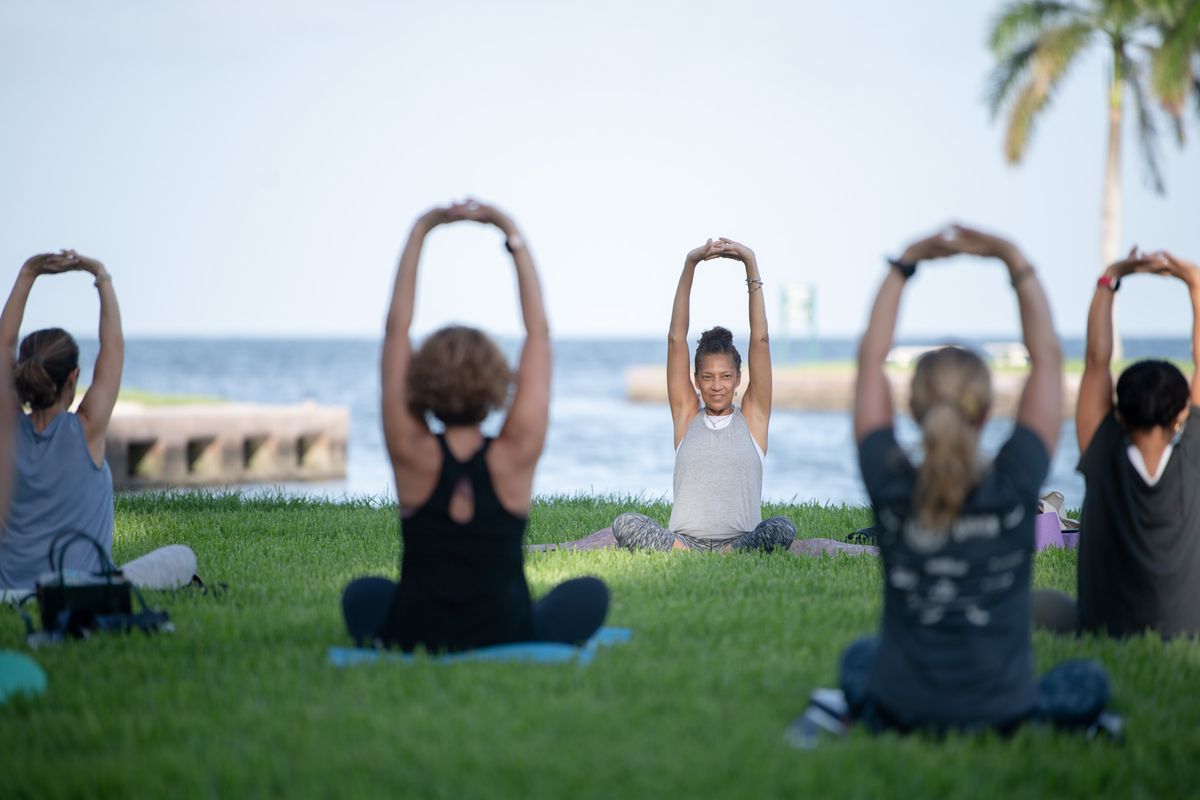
(718, 481)
(56, 487)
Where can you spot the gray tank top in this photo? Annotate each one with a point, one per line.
(56, 487)
(718, 481)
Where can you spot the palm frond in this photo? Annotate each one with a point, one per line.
(1006, 75)
(1147, 130)
(1172, 72)
(1119, 15)
(1022, 21)
(1053, 54)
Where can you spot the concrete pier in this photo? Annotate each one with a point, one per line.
(225, 444)
(831, 388)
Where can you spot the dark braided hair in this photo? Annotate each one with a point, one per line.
(717, 341)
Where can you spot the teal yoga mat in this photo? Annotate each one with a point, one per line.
(19, 674)
(533, 652)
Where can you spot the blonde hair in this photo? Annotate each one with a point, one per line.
(951, 396)
(459, 375)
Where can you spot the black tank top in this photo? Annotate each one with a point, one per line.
(461, 585)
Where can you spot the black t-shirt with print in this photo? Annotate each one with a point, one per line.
(1139, 545)
(955, 644)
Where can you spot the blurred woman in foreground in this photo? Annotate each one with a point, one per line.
(956, 534)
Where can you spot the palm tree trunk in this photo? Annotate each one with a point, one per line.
(1110, 214)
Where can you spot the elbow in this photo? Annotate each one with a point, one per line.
(1048, 356)
(869, 353)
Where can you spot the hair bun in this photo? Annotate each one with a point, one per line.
(717, 335)
(33, 384)
(45, 361)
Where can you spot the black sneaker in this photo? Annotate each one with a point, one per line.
(863, 536)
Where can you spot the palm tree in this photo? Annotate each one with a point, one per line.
(1153, 47)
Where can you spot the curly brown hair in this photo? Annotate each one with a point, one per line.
(459, 375)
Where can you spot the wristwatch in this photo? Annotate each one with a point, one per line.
(514, 243)
(1109, 282)
(905, 268)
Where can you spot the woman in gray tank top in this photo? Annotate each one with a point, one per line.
(719, 447)
(61, 481)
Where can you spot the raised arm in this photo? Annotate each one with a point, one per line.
(681, 393)
(1096, 386)
(1189, 273)
(14, 307)
(8, 410)
(756, 403)
(95, 410)
(399, 422)
(524, 431)
(1040, 406)
(872, 392)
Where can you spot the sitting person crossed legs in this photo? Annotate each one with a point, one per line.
(465, 497)
(62, 483)
(954, 651)
(1139, 546)
(719, 447)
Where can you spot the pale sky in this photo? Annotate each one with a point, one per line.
(253, 168)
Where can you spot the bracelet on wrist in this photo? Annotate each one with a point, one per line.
(906, 268)
(753, 285)
(514, 243)
(104, 278)
(1109, 282)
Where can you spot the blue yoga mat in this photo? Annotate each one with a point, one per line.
(20, 674)
(533, 652)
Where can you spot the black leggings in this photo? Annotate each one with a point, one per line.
(570, 613)
(1072, 694)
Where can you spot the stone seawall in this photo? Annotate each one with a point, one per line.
(831, 388)
(226, 444)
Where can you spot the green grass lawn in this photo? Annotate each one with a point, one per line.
(153, 399)
(239, 701)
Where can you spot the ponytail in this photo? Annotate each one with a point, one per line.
(951, 395)
(950, 468)
(45, 361)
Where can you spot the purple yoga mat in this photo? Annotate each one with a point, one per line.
(1046, 532)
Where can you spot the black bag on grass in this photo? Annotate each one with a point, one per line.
(75, 604)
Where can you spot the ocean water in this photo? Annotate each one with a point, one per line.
(598, 441)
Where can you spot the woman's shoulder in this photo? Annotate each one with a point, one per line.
(66, 421)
